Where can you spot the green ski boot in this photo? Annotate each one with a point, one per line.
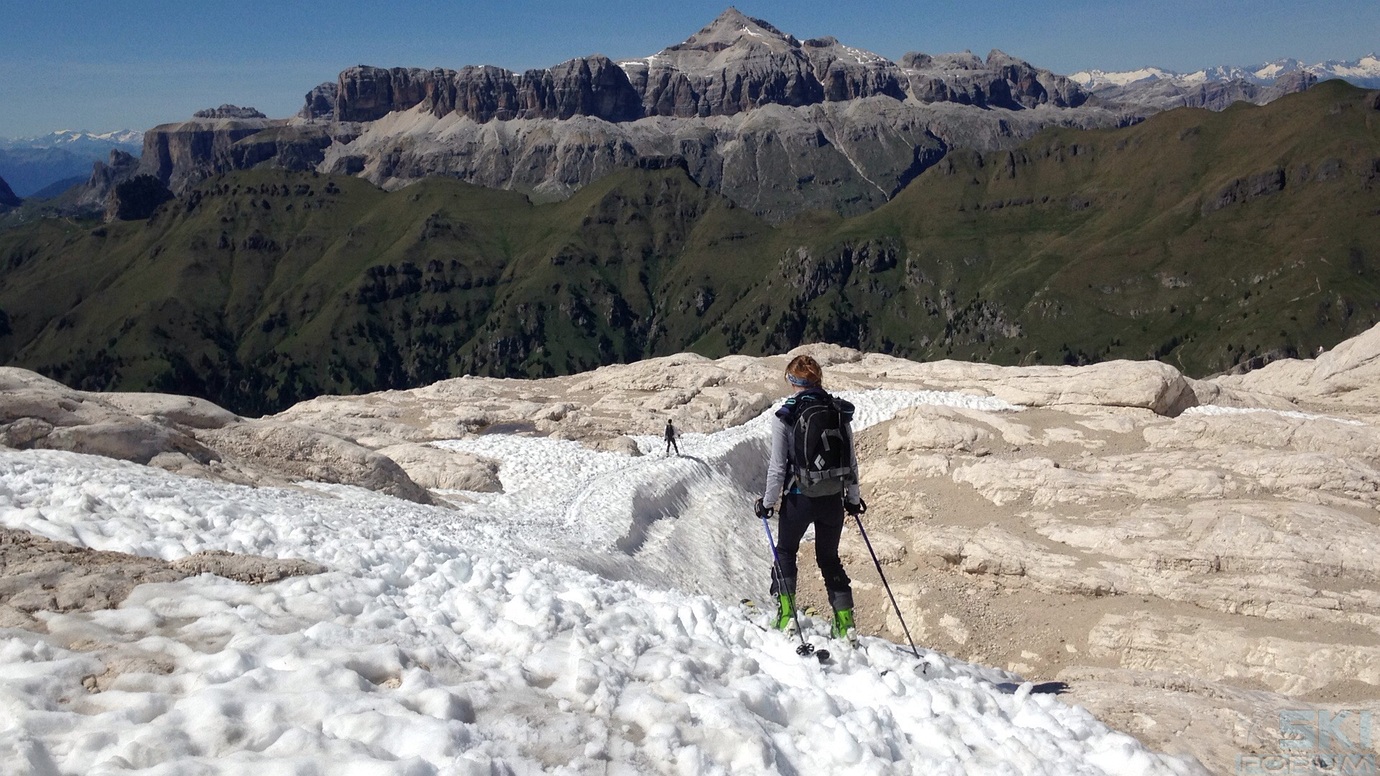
(785, 612)
(844, 627)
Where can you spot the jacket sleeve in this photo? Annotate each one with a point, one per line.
(776, 467)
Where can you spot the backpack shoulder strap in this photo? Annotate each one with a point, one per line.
(845, 408)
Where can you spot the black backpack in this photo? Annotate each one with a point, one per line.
(821, 456)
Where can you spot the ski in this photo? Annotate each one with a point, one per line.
(1008, 688)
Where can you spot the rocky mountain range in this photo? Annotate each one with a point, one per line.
(777, 124)
(1216, 88)
(1214, 241)
(1363, 72)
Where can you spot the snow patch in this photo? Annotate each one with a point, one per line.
(452, 642)
(1212, 409)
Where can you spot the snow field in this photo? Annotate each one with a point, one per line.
(1213, 409)
(454, 642)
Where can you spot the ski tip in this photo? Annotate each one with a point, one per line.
(822, 655)
(1039, 688)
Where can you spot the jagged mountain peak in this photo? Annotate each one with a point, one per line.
(733, 28)
(734, 21)
(998, 58)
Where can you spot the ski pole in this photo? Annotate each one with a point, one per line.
(805, 647)
(858, 516)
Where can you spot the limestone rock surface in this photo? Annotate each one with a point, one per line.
(1191, 555)
(36, 412)
(430, 467)
(188, 436)
(298, 452)
(38, 574)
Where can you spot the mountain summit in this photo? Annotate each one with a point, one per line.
(730, 28)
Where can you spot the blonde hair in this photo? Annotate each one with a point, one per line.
(804, 369)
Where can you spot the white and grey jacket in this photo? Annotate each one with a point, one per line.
(778, 468)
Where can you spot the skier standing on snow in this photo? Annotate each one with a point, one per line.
(813, 478)
(671, 438)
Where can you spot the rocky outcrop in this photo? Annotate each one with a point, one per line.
(195, 437)
(1346, 378)
(136, 199)
(228, 111)
(321, 102)
(1000, 81)
(105, 176)
(367, 93)
(40, 574)
(438, 469)
(733, 65)
(299, 453)
(38, 413)
(182, 154)
(846, 73)
(770, 161)
(590, 86)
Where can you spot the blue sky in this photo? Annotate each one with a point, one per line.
(134, 64)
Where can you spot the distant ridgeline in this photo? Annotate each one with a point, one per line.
(1207, 240)
(779, 125)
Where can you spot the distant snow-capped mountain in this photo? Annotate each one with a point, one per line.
(73, 138)
(1363, 72)
(33, 164)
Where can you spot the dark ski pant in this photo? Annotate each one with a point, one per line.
(670, 443)
(797, 512)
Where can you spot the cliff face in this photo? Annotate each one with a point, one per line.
(182, 154)
(105, 176)
(590, 86)
(370, 93)
(775, 161)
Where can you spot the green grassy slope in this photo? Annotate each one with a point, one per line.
(263, 287)
(1200, 238)
(1204, 239)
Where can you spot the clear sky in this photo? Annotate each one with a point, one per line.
(130, 65)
